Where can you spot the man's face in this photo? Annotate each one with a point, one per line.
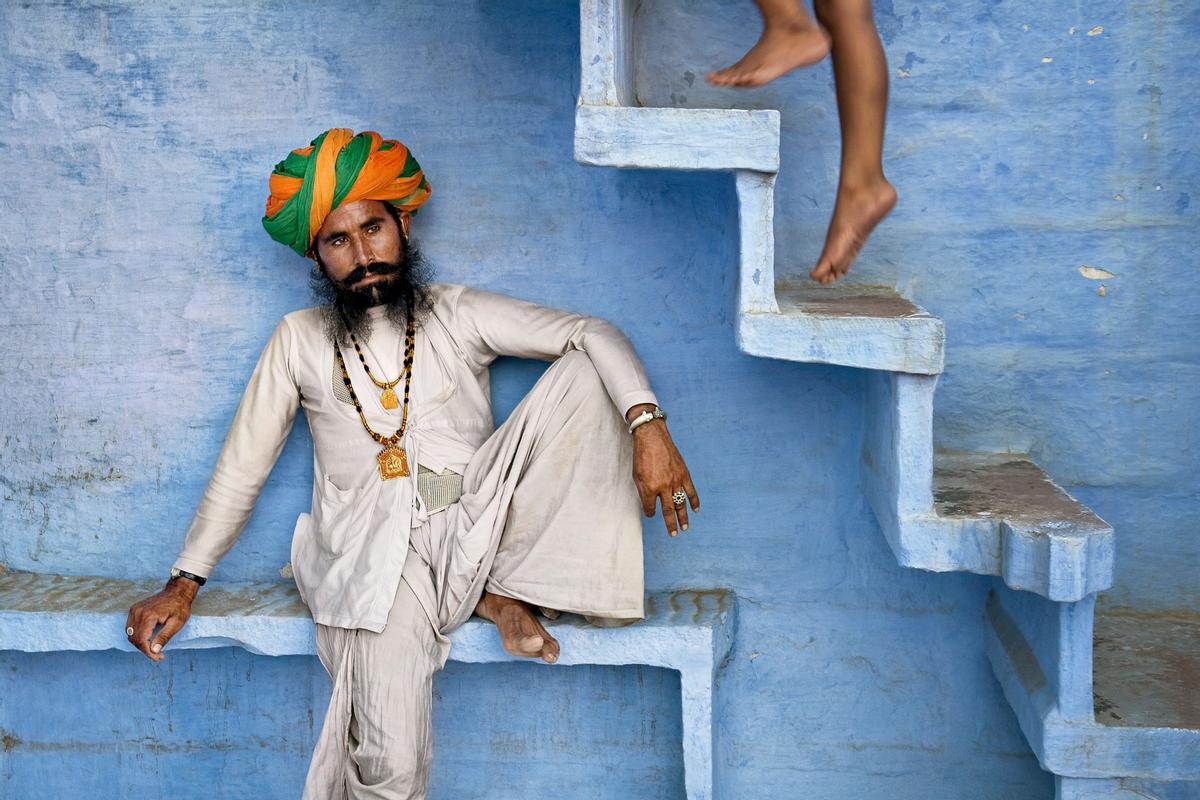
(355, 236)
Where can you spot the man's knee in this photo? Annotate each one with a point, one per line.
(578, 371)
(578, 366)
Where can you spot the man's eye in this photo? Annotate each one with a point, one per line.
(373, 229)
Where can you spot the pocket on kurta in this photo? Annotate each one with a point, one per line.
(344, 516)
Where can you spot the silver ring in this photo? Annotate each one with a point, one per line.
(129, 631)
(679, 497)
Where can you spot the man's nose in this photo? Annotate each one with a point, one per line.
(363, 254)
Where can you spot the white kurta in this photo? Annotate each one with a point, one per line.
(349, 551)
(549, 513)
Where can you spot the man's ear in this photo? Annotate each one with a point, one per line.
(405, 220)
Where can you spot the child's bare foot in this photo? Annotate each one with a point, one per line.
(520, 631)
(855, 214)
(780, 49)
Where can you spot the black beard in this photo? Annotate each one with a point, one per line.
(404, 291)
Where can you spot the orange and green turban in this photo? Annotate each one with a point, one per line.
(339, 167)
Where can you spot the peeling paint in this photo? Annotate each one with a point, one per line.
(910, 59)
(1096, 31)
(1047, 59)
(1095, 273)
(1102, 291)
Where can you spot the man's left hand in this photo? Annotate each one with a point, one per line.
(659, 472)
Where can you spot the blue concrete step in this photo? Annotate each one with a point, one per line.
(865, 327)
(1146, 668)
(677, 138)
(990, 513)
(689, 631)
(1108, 701)
(987, 513)
(1034, 534)
(869, 327)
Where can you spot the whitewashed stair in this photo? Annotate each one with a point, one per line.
(987, 513)
(1063, 551)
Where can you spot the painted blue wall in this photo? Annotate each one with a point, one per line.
(139, 289)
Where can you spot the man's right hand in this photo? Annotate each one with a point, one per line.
(170, 608)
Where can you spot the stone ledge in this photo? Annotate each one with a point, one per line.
(999, 514)
(1076, 747)
(868, 327)
(677, 138)
(688, 631)
(40, 613)
(991, 514)
(1042, 540)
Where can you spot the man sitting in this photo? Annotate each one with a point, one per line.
(422, 512)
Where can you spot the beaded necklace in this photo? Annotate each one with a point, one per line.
(393, 461)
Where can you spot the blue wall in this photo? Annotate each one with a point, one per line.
(140, 289)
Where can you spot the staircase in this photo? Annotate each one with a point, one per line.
(994, 514)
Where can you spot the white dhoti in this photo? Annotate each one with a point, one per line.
(549, 515)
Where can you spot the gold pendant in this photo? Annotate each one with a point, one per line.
(389, 399)
(393, 463)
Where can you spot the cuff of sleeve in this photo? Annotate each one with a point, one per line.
(191, 565)
(636, 398)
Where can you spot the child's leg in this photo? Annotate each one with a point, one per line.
(860, 74)
(789, 39)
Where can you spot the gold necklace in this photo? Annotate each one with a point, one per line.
(388, 399)
(393, 461)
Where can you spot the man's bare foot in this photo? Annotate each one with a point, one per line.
(780, 49)
(855, 214)
(519, 628)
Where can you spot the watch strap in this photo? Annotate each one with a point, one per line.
(178, 573)
(646, 416)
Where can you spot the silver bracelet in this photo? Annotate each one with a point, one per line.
(646, 416)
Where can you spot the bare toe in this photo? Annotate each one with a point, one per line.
(855, 215)
(780, 49)
(550, 651)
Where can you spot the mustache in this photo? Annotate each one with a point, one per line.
(374, 268)
(403, 291)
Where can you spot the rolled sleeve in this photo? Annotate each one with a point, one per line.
(495, 325)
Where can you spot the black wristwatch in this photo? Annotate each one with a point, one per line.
(178, 573)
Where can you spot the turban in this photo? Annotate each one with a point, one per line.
(339, 167)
